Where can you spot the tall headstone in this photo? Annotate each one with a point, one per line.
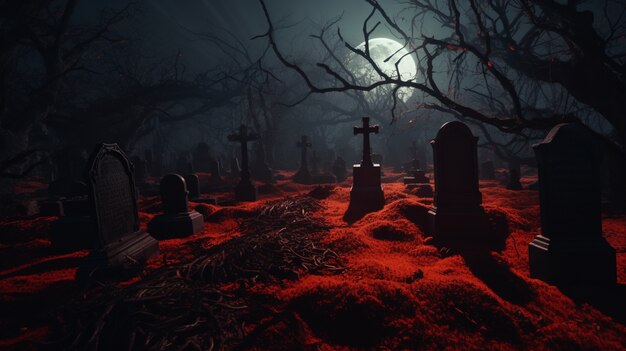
(245, 190)
(570, 249)
(303, 175)
(176, 221)
(120, 243)
(457, 218)
(366, 193)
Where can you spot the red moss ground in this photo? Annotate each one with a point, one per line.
(397, 291)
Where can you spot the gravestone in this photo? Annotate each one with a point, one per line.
(259, 168)
(487, 170)
(193, 186)
(457, 218)
(303, 175)
(176, 221)
(514, 179)
(339, 169)
(245, 190)
(202, 157)
(183, 166)
(366, 194)
(570, 249)
(120, 243)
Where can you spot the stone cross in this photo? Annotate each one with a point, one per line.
(245, 190)
(366, 130)
(243, 137)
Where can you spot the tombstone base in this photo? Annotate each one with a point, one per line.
(73, 233)
(131, 251)
(245, 191)
(179, 225)
(572, 261)
(366, 193)
(460, 230)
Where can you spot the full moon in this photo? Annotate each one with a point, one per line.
(385, 53)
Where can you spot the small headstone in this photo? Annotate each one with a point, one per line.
(571, 249)
(303, 175)
(366, 194)
(176, 221)
(487, 170)
(457, 218)
(120, 243)
(193, 186)
(245, 190)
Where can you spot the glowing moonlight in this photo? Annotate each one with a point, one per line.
(385, 53)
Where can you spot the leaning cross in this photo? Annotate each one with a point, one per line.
(366, 130)
(244, 137)
(304, 144)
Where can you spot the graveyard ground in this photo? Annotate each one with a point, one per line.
(288, 272)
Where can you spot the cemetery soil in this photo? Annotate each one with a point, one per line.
(291, 272)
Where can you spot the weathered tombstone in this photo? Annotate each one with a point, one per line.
(216, 173)
(176, 221)
(245, 190)
(514, 179)
(193, 186)
(339, 169)
(457, 218)
(202, 157)
(259, 168)
(367, 193)
(570, 249)
(119, 241)
(487, 170)
(303, 176)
